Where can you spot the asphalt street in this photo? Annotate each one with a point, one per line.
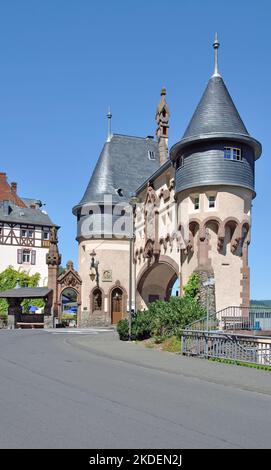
(89, 390)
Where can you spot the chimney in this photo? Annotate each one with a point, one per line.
(6, 207)
(3, 177)
(13, 186)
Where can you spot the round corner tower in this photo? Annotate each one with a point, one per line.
(104, 226)
(214, 164)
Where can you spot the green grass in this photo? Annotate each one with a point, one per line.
(240, 363)
(172, 344)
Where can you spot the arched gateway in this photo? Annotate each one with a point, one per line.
(155, 281)
(69, 293)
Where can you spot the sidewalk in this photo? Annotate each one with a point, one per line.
(108, 345)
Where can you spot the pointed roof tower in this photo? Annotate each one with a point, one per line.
(216, 116)
(162, 119)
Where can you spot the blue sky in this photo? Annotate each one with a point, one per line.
(63, 62)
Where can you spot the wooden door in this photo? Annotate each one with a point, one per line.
(116, 305)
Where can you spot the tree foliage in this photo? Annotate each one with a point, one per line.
(191, 288)
(8, 280)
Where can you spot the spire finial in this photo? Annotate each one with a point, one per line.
(216, 46)
(163, 91)
(109, 117)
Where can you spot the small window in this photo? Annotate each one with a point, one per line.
(120, 192)
(24, 233)
(211, 202)
(151, 154)
(45, 235)
(97, 299)
(30, 233)
(196, 203)
(232, 153)
(181, 161)
(26, 256)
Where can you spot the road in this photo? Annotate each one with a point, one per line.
(72, 390)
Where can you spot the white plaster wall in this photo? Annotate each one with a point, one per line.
(230, 202)
(112, 255)
(8, 257)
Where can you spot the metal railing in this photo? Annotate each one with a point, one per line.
(245, 318)
(233, 318)
(243, 348)
(204, 323)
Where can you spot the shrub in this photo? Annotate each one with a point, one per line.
(123, 330)
(170, 317)
(165, 319)
(142, 325)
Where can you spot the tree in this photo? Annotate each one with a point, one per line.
(8, 280)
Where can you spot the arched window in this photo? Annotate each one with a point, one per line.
(116, 305)
(97, 299)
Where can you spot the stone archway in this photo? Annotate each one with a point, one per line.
(155, 281)
(69, 281)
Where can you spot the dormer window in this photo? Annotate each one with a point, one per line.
(119, 192)
(232, 153)
(151, 154)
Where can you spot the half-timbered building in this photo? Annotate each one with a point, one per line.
(24, 232)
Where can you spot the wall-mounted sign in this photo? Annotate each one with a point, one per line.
(107, 275)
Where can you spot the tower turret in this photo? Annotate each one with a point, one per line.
(162, 119)
(216, 147)
(214, 185)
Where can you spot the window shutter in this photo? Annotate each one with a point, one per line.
(19, 256)
(33, 257)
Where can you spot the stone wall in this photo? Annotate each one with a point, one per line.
(204, 291)
(3, 322)
(88, 319)
(48, 321)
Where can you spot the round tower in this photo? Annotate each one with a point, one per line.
(104, 226)
(214, 163)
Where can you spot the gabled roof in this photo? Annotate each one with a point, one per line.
(7, 193)
(19, 210)
(25, 293)
(123, 164)
(24, 215)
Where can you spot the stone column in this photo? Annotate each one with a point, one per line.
(53, 260)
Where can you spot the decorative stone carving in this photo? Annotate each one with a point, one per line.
(70, 278)
(107, 275)
(151, 213)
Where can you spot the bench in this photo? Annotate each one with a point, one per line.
(29, 325)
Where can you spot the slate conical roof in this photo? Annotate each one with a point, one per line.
(123, 165)
(216, 117)
(216, 112)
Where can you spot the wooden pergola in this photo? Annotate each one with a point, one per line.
(15, 297)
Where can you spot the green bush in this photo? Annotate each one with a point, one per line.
(142, 325)
(162, 320)
(8, 280)
(165, 319)
(123, 330)
(170, 317)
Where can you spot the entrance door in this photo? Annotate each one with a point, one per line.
(116, 305)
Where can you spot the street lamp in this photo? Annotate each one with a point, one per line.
(94, 264)
(132, 202)
(210, 282)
